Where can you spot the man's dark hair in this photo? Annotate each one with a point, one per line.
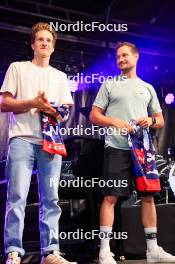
(133, 48)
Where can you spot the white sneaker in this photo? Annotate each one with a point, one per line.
(55, 258)
(13, 258)
(106, 257)
(158, 255)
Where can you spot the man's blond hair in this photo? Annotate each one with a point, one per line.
(43, 26)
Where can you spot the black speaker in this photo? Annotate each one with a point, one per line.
(135, 244)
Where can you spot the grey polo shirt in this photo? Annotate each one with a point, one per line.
(126, 99)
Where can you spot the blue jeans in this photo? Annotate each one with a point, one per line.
(21, 157)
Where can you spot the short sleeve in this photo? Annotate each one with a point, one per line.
(66, 97)
(10, 80)
(102, 98)
(154, 105)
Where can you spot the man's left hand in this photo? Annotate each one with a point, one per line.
(145, 122)
(56, 115)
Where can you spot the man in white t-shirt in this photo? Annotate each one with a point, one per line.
(28, 89)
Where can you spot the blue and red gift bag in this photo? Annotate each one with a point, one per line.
(143, 154)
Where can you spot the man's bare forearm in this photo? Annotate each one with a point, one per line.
(159, 122)
(14, 105)
(101, 120)
(97, 117)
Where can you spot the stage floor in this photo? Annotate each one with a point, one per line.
(141, 261)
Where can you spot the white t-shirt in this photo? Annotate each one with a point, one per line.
(23, 80)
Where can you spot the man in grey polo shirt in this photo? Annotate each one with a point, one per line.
(117, 102)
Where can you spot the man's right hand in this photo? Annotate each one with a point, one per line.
(122, 125)
(97, 117)
(41, 102)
